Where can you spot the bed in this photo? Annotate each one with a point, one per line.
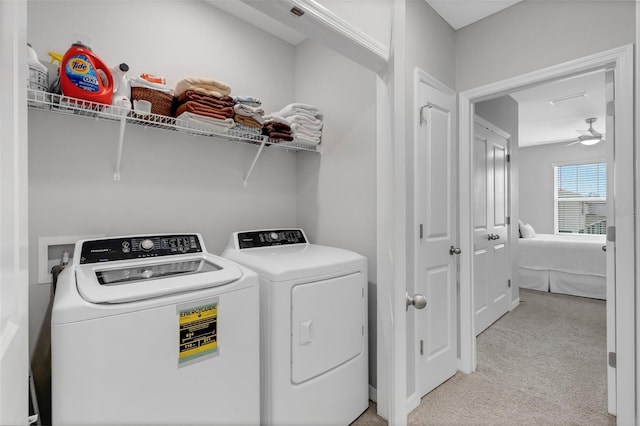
(567, 264)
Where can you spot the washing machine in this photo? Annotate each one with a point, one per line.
(313, 302)
(153, 329)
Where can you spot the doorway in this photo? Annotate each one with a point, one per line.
(620, 61)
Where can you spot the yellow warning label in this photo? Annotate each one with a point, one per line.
(198, 330)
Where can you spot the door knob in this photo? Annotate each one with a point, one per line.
(493, 237)
(454, 250)
(418, 301)
(604, 248)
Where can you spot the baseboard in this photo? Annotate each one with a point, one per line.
(514, 304)
(373, 394)
(413, 402)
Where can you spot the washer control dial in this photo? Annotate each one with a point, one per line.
(146, 244)
(273, 236)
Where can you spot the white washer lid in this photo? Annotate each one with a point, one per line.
(296, 261)
(172, 277)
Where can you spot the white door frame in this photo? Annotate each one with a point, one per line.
(14, 216)
(622, 59)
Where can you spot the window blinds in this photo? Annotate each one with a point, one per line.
(581, 198)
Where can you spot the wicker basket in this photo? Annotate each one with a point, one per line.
(161, 103)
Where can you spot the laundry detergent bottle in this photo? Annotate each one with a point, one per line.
(83, 75)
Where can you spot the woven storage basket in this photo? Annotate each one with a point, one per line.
(161, 102)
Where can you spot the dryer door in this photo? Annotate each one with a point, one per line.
(328, 325)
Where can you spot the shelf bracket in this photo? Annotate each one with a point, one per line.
(245, 182)
(123, 122)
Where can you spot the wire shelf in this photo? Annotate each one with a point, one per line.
(78, 107)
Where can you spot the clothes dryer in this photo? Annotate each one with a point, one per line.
(154, 330)
(313, 327)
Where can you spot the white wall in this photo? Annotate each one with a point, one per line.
(503, 112)
(337, 190)
(536, 178)
(535, 34)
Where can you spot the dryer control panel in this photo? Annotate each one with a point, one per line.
(268, 238)
(124, 248)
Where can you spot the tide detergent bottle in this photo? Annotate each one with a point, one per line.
(83, 75)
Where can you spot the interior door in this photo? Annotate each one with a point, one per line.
(491, 234)
(436, 271)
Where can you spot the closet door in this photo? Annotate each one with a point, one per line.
(491, 236)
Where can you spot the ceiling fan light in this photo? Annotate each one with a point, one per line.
(590, 142)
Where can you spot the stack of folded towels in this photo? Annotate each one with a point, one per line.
(248, 115)
(277, 128)
(204, 104)
(304, 120)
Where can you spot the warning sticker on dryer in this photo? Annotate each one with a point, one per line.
(198, 331)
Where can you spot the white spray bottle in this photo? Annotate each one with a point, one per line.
(121, 87)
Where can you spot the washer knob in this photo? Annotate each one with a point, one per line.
(146, 245)
(273, 235)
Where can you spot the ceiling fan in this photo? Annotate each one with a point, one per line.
(589, 136)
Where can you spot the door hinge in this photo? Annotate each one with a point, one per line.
(611, 233)
(421, 231)
(363, 330)
(421, 347)
(611, 109)
(423, 120)
(612, 359)
(508, 220)
(508, 158)
(509, 283)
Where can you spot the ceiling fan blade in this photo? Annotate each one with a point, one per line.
(574, 142)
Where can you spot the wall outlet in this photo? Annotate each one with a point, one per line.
(50, 251)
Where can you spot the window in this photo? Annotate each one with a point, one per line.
(581, 199)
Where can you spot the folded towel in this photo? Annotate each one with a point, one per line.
(205, 85)
(247, 100)
(248, 110)
(294, 108)
(201, 109)
(141, 82)
(280, 136)
(311, 124)
(276, 118)
(200, 122)
(273, 126)
(209, 100)
(296, 129)
(247, 121)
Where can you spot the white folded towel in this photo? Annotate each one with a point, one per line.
(312, 124)
(277, 118)
(204, 123)
(297, 129)
(294, 108)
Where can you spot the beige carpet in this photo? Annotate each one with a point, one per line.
(542, 364)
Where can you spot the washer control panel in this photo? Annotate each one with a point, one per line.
(269, 238)
(123, 248)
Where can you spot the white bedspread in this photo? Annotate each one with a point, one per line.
(574, 254)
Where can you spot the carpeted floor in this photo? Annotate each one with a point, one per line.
(544, 363)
